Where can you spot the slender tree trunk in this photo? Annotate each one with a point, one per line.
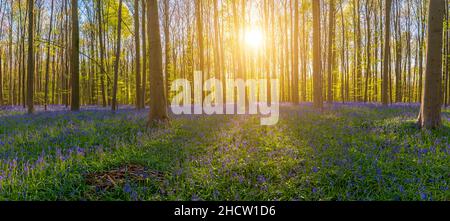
(167, 48)
(66, 55)
(421, 33)
(343, 57)
(199, 20)
(11, 82)
(430, 111)
(30, 65)
(218, 52)
(144, 55)
(398, 54)
(138, 55)
(218, 71)
(102, 52)
(387, 52)
(54, 70)
(158, 104)
(358, 57)
(295, 68)
(22, 58)
(47, 66)
(305, 56)
(408, 51)
(368, 54)
(116, 64)
(317, 73)
(75, 59)
(331, 60)
(271, 57)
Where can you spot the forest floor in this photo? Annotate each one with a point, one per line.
(348, 152)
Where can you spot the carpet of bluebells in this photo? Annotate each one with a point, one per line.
(347, 152)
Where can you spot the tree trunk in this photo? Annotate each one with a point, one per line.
(331, 52)
(102, 52)
(430, 111)
(295, 68)
(144, 55)
(138, 55)
(305, 48)
(368, 55)
(167, 47)
(199, 20)
(421, 34)
(317, 73)
(116, 64)
(30, 65)
(47, 66)
(158, 106)
(387, 52)
(358, 57)
(398, 54)
(217, 66)
(75, 59)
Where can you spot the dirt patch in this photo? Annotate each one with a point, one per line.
(121, 175)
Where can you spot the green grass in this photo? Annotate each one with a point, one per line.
(353, 152)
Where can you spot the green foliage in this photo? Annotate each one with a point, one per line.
(111, 12)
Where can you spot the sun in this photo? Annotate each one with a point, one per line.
(254, 38)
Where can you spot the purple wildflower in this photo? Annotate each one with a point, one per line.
(261, 179)
(315, 169)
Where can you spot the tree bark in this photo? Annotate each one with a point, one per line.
(102, 52)
(331, 60)
(47, 66)
(116, 64)
(199, 20)
(167, 48)
(387, 52)
(30, 65)
(368, 47)
(317, 73)
(144, 55)
(430, 111)
(75, 59)
(158, 106)
(398, 54)
(295, 61)
(138, 55)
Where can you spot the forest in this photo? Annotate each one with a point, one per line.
(87, 90)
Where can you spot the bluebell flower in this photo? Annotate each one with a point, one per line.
(195, 198)
(261, 179)
(423, 196)
(315, 169)
(127, 188)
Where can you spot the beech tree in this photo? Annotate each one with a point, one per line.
(331, 60)
(317, 72)
(47, 65)
(75, 58)
(30, 65)
(295, 95)
(158, 105)
(117, 60)
(387, 53)
(138, 55)
(430, 110)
